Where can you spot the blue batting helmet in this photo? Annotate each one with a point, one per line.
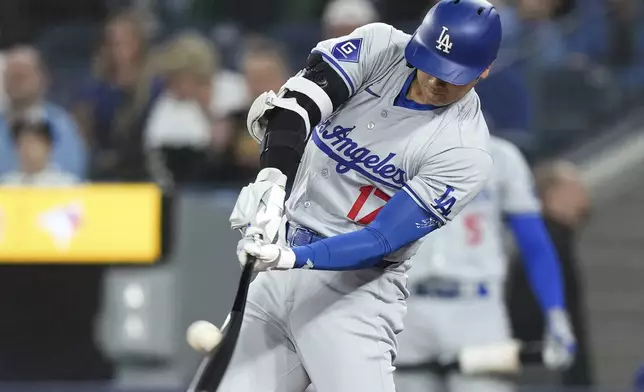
(457, 41)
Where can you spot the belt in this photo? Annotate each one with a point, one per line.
(301, 236)
(439, 287)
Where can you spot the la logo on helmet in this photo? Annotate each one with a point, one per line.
(444, 43)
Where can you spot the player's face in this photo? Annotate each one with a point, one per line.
(433, 91)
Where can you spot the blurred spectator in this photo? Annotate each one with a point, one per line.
(25, 82)
(113, 108)
(605, 32)
(565, 209)
(541, 35)
(183, 132)
(341, 17)
(34, 144)
(564, 196)
(264, 68)
(609, 33)
(3, 91)
(228, 92)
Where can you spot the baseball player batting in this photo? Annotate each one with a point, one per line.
(458, 277)
(380, 140)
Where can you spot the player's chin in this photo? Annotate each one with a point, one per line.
(437, 99)
(434, 98)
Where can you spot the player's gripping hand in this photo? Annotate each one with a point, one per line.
(560, 344)
(269, 256)
(261, 204)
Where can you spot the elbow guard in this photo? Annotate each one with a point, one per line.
(282, 122)
(327, 79)
(306, 99)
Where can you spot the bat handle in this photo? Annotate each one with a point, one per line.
(247, 272)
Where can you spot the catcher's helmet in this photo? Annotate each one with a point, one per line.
(457, 40)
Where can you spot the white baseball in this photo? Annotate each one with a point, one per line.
(203, 336)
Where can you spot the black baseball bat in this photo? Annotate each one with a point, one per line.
(212, 368)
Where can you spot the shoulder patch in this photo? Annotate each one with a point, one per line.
(348, 50)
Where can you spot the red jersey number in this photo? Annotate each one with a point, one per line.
(365, 192)
(473, 229)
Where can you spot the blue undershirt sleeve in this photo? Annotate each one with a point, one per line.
(540, 259)
(400, 222)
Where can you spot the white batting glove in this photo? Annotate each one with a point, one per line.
(269, 256)
(252, 235)
(261, 204)
(560, 344)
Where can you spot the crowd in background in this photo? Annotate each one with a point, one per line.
(108, 90)
(159, 90)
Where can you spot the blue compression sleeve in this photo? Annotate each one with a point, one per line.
(540, 259)
(400, 222)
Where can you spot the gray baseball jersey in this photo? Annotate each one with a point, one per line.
(337, 329)
(371, 148)
(471, 247)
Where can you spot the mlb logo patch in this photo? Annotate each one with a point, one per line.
(348, 51)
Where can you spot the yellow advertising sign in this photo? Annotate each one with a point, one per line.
(111, 223)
